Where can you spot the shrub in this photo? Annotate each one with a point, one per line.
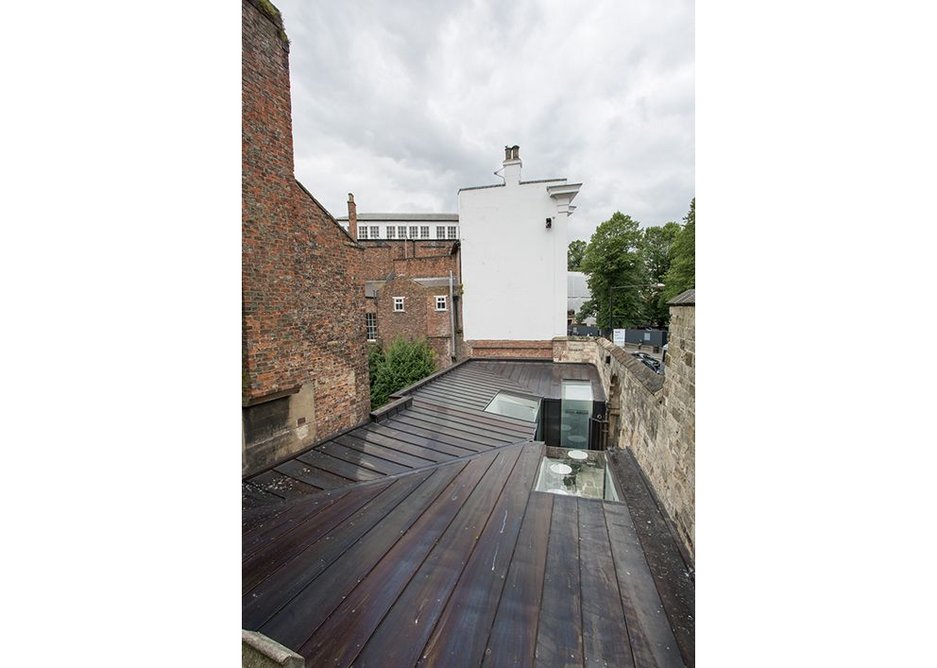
(402, 364)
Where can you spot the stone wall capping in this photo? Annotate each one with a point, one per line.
(259, 651)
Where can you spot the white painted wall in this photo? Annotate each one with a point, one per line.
(513, 267)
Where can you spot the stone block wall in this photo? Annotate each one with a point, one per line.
(303, 331)
(653, 416)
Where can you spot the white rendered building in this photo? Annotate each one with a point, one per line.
(514, 262)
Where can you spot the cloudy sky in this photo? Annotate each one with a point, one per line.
(405, 102)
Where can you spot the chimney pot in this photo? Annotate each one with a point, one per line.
(512, 165)
(352, 216)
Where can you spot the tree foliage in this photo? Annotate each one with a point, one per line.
(403, 363)
(613, 260)
(574, 254)
(681, 274)
(656, 245)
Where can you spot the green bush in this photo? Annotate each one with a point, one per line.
(402, 364)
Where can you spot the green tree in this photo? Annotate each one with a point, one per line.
(404, 362)
(682, 272)
(574, 255)
(612, 259)
(656, 243)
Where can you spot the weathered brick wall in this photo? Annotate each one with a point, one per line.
(654, 416)
(508, 348)
(303, 307)
(419, 320)
(426, 267)
(398, 262)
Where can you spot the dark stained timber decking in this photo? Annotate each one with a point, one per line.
(417, 539)
(604, 631)
(474, 601)
(513, 635)
(559, 641)
(406, 626)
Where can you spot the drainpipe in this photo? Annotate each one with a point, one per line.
(453, 352)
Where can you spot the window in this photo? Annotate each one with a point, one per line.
(452, 232)
(440, 232)
(398, 304)
(370, 321)
(424, 231)
(402, 232)
(413, 231)
(363, 232)
(375, 232)
(390, 231)
(440, 302)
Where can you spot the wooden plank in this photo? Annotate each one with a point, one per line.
(513, 636)
(464, 389)
(311, 475)
(267, 529)
(358, 458)
(252, 496)
(282, 486)
(457, 398)
(443, 450)
(292, 539)
(456, 427)
(296, 575)
(652, 639)
(383, 452)
(604, 631)
(497, 422)
(339, 467)
(495, 428)
(559, 638)
(421, 429)
(449, 430)
(305, 610)
(372, 434)
(402, 633)
(474, 600)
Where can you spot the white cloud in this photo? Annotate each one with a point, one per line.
(403, 103)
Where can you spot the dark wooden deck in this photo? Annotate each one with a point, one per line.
(542, 379)
(417, 540)
(458, 564)
(445, 421)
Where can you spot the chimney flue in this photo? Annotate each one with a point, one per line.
(512, 165)
(352, 216)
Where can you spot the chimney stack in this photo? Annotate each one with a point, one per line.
(352, 217)
(512, 165)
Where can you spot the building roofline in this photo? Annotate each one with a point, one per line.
(331, 217)
(523, 183)
(402, 217)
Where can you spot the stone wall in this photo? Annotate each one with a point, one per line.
(654, 416)
(303, 328)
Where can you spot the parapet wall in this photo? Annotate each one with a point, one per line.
(654, 416)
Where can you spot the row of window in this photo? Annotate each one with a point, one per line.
(401, 232)
(371, 319)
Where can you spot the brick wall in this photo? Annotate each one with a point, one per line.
(653, 416)
(399, 261)
(419, 320)
(303, 307)
(507, 348)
